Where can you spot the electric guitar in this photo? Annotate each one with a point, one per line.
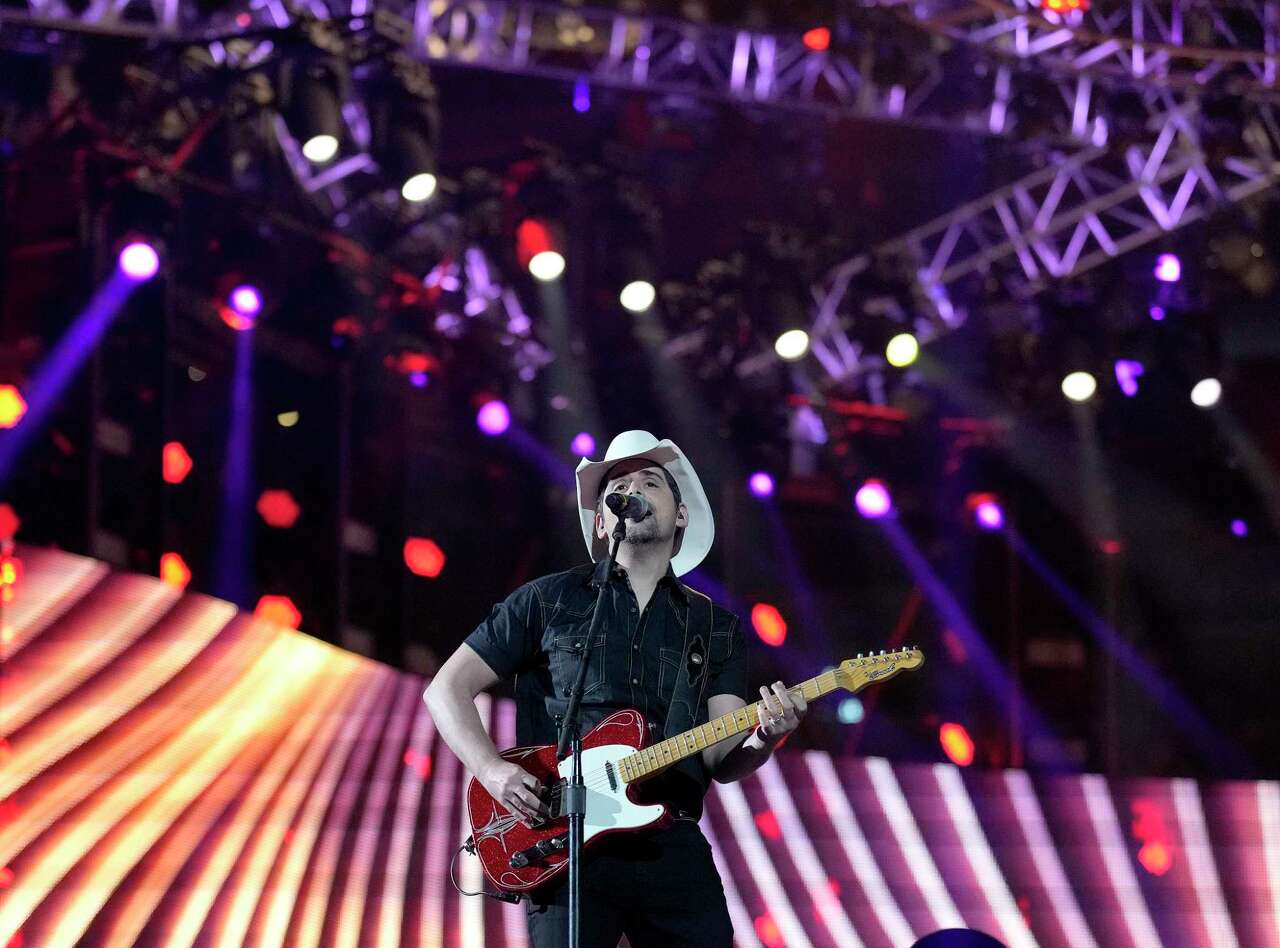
(615, 758)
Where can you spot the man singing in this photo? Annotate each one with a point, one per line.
(666, 651)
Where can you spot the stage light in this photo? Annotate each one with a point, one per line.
(873, 500)
(581, 96)
(538, 250)
(638, 295)
(768, 932)
(175, 463)
(1064, 6)
(1156, 857)
(1239, 528)
(1168, 268)
(956, 744)
(987, 512)
(850, 710)
(1206, 393)
(583, 444)
(817, 39)
(313, 107)
(760, 484)
(493, 417)
(1128, 371)
(12, 406)
(419, 762)
(319, 149)
(768, 624)
(235, 320)
(1157, 313)
(419, 379)
(419, 187)
(546, 266)
(767, 823)
(423, 557)
(278, 509)
(139, 261)
(792, 344)
(10, 523)
(245, 300)
(1079, 386)
(278, 609)
(902, 350)
(174, 571)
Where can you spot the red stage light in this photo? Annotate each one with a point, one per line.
(1111, 547)
(10, 576)
(420, 762)
(768, 623)
(768, 933)
(423, 557)
(818, 38)
(278, 609)
(956, 743)
(174, 571)
(533, 237)
(1064, 6)
(10, 522)
(175, 463)
(12, 406)
(1156, 857)
(237, 321)
(767, 824)
(278, 508)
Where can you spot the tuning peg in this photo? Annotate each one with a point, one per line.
(859, 654)
(881, 651)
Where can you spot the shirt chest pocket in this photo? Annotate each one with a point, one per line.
(668, 673)
(565, 647)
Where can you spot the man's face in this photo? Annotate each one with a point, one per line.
(639, 476)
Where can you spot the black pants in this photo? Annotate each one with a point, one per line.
(658, 887)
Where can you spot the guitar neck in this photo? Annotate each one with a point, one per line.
(656, 757)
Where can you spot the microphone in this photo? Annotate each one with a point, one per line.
(631, 506)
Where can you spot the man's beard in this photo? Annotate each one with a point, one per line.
(645, 532)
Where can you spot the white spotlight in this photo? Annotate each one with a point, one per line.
(419, 188)
(638, 295)
(546, 266)
(320, 148)
(792, 344)
(1206, 393)
(1079, 386)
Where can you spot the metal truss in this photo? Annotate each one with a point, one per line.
(1170, 41)
(884, 73)
(1076, 213)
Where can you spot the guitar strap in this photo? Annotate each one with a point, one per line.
(691, 682)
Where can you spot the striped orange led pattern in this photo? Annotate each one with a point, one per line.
(176, 772)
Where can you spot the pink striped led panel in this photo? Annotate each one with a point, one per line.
(176, 773)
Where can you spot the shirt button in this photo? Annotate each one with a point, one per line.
(635, 648)
(635, 681)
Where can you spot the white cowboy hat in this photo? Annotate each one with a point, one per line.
(695, 542)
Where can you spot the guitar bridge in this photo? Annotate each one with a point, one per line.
(613, 778)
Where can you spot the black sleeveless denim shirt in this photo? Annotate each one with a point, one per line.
(642, 661)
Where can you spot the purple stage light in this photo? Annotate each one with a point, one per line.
(139, 261)
(872, 500)
(419, 379)
(581, 96)
(1239, 528)
(493, 417)
(989, 515)
(1127, 373)
(1157, 313)
(245, 300)
(760, 484)
(1168, 268)
(583, 445)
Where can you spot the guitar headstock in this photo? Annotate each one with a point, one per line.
(854, 674)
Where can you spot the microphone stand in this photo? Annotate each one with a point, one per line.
(574, 799)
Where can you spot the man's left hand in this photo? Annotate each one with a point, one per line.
(779, 711)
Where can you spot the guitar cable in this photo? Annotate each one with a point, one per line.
(512, 898)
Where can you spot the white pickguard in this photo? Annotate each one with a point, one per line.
(608, 809)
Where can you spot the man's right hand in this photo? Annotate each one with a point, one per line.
(515, 788)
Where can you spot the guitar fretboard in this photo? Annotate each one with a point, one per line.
(660, 756)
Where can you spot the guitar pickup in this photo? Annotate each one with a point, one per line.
(539, 851)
